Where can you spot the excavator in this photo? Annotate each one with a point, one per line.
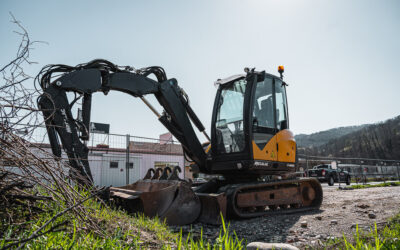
(251, 150)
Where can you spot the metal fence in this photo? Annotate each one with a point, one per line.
(118, 160)
(360, 169)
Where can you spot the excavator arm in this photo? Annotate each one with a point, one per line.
(103, 76)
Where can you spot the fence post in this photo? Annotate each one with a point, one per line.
(384, 175)
(364, 174)
(307, 166)
(127, 158)
(92, 138)
(337, 168)
(398, 174)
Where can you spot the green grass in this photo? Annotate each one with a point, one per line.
(225, 240)
(387, 184)
(387, 237)
(119, 231)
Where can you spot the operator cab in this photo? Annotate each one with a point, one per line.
(250, 113)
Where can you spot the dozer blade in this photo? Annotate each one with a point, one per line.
(170, 200)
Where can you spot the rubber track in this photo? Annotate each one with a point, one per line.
(234, 189)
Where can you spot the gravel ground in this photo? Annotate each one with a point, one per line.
(341, 210)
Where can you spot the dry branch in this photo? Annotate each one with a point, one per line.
(31, 177)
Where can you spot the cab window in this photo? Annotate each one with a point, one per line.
(263, 108)
(263, 113)
(229, 125)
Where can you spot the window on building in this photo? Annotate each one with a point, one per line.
(163, 164)
(130, 164)
(113, 164)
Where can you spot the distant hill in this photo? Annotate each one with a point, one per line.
(323, 137)
(380, 140)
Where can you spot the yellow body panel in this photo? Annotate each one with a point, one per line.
(281, 147)
(268, 153)
(286, 146)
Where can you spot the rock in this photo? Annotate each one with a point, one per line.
(334, 222)
(353, 225)
(371, 215)
(287, 220)
(362, 206)
(318, 236)
(303, 224)
(343, 207)
(270, 246)
(318, 217)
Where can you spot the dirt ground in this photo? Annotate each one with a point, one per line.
(341, 210)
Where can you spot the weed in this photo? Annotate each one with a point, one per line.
(387, 237)
(387, 184)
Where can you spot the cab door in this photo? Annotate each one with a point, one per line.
(264, 142)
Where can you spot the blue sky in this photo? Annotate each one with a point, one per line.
(341, 57)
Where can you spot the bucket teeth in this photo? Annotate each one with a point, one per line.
(157, 174)
(167, 171)
(174, 175)
(149, 174)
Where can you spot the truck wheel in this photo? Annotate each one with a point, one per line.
(331, 181)
(348, 180)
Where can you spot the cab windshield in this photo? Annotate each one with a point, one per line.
(229, 125)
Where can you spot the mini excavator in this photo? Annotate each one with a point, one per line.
(250, 146)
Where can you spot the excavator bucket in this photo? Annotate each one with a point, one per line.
(161, 193)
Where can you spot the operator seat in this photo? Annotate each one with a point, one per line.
(266, 114)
